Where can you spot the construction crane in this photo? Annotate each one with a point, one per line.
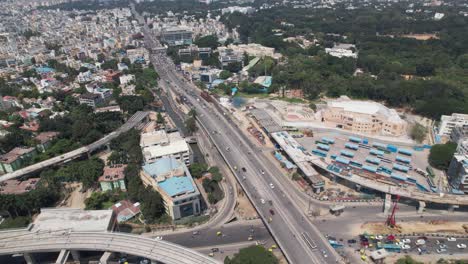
(391, 218)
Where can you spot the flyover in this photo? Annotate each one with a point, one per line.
(29, 243)
(133, 121)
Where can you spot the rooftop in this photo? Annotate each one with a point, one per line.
(45, 137)
(113, 173)
(164, 166)
(54, 219)
(177, 185)
(14, 154)
(18, 187)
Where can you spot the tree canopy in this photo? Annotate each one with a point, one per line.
(252, 255)
(441, 155)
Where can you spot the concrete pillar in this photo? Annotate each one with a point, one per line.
(358, 187)
(75, 255)
(452, 207)
(108, 147)
(387, 203)
(29, 258)
(62, 257)
(421, 207)
(105, 257)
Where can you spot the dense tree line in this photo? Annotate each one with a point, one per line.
(252, 255)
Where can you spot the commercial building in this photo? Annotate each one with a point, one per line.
(342, 50)
(159, 144)
(227, 56)
(458, 169)
(176, 36)
(18, 187)
(15, 159)
(459, 133)
(364, 117)
(447, 123)
(173, 181)
(113, 177)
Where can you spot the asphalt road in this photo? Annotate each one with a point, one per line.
(299, 239)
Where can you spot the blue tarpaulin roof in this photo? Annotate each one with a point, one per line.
(347, 153)
(369, 168)
(342, 160)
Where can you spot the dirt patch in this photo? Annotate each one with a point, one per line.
(426, 259)
(74, 197)
(414, 227)
(244, 208)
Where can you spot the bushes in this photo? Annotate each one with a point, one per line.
(441, 155)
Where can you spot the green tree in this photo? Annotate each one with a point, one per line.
(197, 169)
(418, 132)
(225, 75)
(407, 260)
(191, 125)
(441, 155)
(252, 255)
(160, 119)
(210, 41)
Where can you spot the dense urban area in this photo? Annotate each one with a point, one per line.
(233, 131)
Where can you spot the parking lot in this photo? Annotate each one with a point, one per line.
(373, 154)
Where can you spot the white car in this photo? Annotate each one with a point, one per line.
(420, 242)
(451, 239)
(263, 172)
(379, 237)
(262, 201)
(158, 238)
(406, 240)
(272, 186)
(441, 250)
(461, 246)
(406, 246)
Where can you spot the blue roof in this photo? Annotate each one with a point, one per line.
(162, 166)
(400, 167)
(347, 153)
(342, 160)
(355, 139)
(177, 185)
(369, 168)
(44, 70)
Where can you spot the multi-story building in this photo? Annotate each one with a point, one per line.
(159, 144)
(173, 181)
(177, 36)
(458, 169)
(459, 133)
(15, 159)
(447, 123)
(364, 117)
(91, 99)
(113, 177)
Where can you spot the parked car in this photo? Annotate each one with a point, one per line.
(405, 246)
(352, 241)
(441, 250)
(406, 240)
(420, 242)
(461, 246)
(272, 212)
(451, 239)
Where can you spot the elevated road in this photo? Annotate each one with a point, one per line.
(133, 121)
(300, 241)
(161, 251)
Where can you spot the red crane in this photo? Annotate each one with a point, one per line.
(391, 218)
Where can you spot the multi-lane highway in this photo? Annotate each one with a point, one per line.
(299, 239)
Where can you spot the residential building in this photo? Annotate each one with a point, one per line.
(45, 139)
(227, 56)
(15, 159)
(459, 133)
(458, 168)
(18, 187)
(158, 144)
(252, 49)
(343, 50)
(176, 36)
(91, 99)
(125, 79)
(125, 210)
(364, 117)
(138, 55)
(173, 181)
(447, 123)
(113, 178)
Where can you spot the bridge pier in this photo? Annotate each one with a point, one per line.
(387, 203)
(421, 207)
(105, 257)
(63, 256)
(358, 187)
(452, 207)
(29, 258)
(76, 256)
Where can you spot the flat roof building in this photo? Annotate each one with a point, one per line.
(365, 117)
(159, 144)
(18, 187)
(177, 36)
(79, 220)
(173, 181)
(15, 159)
(447, 123)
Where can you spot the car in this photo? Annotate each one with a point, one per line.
(274, 246)
(243, 169)
(324, 253)
(451, 239)
(406, 240)
(211, 254)
(272, 212)
(405, 246)
(442, 246)
(195, 233)
(420, 242)
(262, 172)
(158, 238)
(437, 242)
(461, 246)
(262, 201)
(250, 238)
(215, 250)
(272, 186)
(219, 233)
(352, 241)
(441, 250)
(379, 237)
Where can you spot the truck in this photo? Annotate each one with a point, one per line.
(205, 95)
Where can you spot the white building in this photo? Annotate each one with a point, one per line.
(458, 169)
(125, 79)
(159, 144)
(447, 123)
(240, 9)
(342, 50)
